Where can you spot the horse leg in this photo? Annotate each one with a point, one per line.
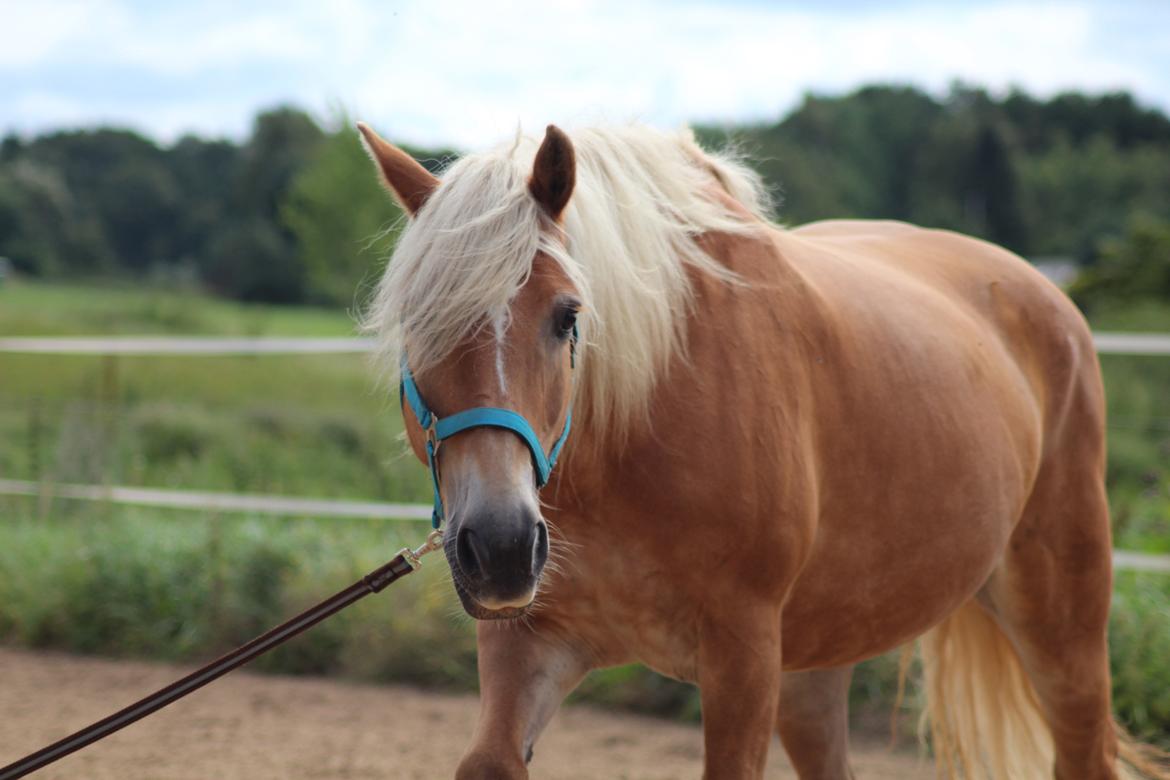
(1051, 597)
(523, 676)
(814, 722)
(739, 680)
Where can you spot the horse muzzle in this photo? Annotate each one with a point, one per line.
(496, 560)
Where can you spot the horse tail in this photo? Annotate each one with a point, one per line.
(1139, 760)
(982, 716)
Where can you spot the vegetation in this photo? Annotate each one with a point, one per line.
(293, 214)
(179, 586)
(1050, 177)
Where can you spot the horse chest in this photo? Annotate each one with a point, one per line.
(636, 614)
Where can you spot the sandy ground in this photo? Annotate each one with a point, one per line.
(256, 727)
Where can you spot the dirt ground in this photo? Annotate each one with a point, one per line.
(254, 727)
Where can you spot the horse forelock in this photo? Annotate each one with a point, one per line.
(627, 243)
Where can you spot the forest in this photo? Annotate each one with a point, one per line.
(293, 214)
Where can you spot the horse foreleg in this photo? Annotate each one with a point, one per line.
(739, 680)
(523, 676)
(814, 722)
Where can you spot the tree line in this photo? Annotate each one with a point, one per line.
(294, 214)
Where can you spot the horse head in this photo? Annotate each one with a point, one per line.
(487, 332)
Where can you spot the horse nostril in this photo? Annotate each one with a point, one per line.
(469, 552)
(540, 548)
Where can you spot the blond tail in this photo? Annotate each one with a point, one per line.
(1138, 760)
(982, 714)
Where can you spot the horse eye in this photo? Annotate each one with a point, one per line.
(566, 319)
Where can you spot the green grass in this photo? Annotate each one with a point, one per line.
(309, 424)
(182, 585)
(1138, 474)
(1135, 316)
(260, 448)
(30, 308)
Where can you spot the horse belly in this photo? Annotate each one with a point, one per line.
(844, 609)
(919, 492)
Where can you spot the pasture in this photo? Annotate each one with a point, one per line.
(177, 586)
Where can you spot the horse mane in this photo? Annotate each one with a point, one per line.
(627, 242)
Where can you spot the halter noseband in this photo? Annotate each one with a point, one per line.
(437, 429)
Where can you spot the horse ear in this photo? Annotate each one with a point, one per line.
(400, 173)
(554, 172)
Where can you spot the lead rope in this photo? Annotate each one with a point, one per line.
(401, 565)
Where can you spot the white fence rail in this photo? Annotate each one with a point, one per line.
(1107, 344)
(1132, 343)
(169, 345)
(217, 502)
(289, 506)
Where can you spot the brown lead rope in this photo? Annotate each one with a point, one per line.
(404, 563)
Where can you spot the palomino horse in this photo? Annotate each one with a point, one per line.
(791, 450)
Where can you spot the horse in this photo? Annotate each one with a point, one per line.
(792, 449)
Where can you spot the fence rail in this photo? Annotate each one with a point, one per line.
(1132, 343)
(1108, 343)
(218, 502)
(311, 507)
(169, 345)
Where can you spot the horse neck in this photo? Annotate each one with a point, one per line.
(598, 460)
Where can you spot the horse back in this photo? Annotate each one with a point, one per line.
(938, 373)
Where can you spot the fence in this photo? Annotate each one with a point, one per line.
(1106, 343)
(217, 502)
(1157, 344)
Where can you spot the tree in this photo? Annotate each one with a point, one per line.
(251, 260)
(343, 222)
(206, 171)
(283, 140)
(1135, 266)
(991, 187)
(42, 229)
(1074, 196)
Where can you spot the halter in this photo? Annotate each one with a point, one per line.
(482, 417)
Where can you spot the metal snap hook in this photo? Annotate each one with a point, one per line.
(433, 542)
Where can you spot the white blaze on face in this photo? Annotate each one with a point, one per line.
(500, 324)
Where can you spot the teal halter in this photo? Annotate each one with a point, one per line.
(481, 417)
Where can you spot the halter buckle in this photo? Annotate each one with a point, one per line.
(432, 434)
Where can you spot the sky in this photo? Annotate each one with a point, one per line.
(465, 73)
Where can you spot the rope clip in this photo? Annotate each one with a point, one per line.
(413, 557)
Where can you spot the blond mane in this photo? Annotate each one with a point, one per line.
(641, 198)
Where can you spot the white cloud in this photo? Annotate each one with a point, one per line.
(33, 32)
(464, 71)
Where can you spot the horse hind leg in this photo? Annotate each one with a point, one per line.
(1051, 597)
(813, 721)
(1018, 679)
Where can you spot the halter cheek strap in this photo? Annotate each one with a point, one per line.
(437, 429)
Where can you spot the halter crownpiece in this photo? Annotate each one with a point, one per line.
(437, 429)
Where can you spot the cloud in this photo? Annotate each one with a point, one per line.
(464, 72)
(34, 32)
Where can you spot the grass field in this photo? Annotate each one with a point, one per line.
(311, 425)
(179, 585)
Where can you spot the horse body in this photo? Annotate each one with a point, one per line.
(850, 465)
(872, 432)
(771, 453)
